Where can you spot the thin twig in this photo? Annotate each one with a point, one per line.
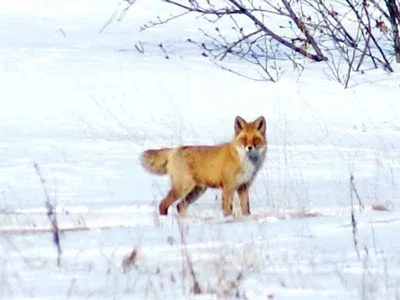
(196, 289)
(114, 15)
(51, 214)
(353, 188)
(353, 219)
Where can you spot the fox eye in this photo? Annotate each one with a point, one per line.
(256, 142)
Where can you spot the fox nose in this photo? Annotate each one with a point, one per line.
(249, 148)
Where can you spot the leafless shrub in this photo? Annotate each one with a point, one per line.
(350, 36)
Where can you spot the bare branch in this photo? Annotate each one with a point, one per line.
(395, 22)
(368, 30)
(303, 28)
(239, 41)
(160, 21)
(275, 36)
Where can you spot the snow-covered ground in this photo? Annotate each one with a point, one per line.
(84, 105)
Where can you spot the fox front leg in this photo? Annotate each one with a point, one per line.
(227, 199)
(243, 193)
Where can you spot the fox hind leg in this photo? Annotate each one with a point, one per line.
(171, 197)
(180, 189)
(191, 197)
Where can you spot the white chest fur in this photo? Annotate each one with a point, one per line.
(249, 164)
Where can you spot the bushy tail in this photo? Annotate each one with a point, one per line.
(155, 161)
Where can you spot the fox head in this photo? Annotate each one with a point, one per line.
(250, 138)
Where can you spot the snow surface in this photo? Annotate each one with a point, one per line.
(84, 105)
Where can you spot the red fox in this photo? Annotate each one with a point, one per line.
(230, 167)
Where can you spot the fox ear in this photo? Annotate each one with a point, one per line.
(240, 123)
(260, 124)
